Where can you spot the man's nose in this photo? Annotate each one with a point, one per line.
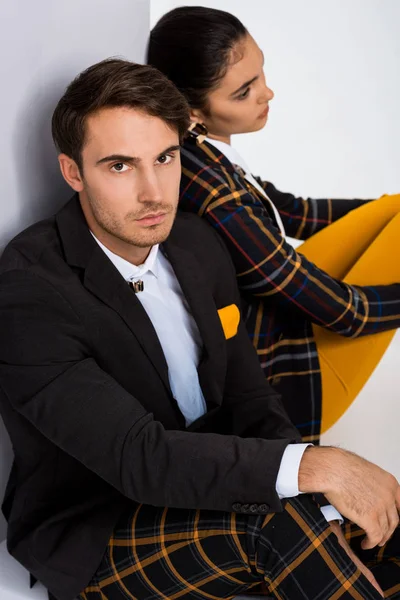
(149, 187)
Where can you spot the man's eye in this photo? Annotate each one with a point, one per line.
(164, 159)
(119, 167)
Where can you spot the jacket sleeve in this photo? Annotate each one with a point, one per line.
(49, 376)
(268, 267)
(302, 217)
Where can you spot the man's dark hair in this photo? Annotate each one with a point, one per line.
(112, 83)
(192, 45)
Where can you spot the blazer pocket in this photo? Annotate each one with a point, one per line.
(229, 317)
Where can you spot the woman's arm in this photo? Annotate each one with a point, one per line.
(302, 217)
(266, 266)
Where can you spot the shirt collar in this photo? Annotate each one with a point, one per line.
(127, 269)
(234, 157)
(230, 153)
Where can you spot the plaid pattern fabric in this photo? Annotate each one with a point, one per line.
(384, 562)
(283, 293)
(173, 553)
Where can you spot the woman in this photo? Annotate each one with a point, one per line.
(293, 308)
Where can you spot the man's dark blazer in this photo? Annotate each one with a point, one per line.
(85, 397)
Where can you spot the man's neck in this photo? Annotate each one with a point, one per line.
(133, 254)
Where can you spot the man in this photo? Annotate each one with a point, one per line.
(151, 456)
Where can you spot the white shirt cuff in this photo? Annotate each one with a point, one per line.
(287, 481)
(331, 514)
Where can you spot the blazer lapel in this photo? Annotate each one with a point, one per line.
(103, 280)
(235, 178)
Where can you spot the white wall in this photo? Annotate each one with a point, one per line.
(334, 124)
(43, 45)
(333, 130)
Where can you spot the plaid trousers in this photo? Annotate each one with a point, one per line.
(175, 553)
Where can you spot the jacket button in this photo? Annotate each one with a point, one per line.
(263, 508)
(236, 507)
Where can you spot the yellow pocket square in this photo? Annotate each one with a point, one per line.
(229, 317)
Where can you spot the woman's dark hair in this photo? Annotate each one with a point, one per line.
(191, 45)
(111, 83)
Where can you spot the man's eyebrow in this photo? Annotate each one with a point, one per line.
(123, 158)
(118, 158)
(170, 149)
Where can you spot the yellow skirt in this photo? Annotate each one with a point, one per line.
(359, 249)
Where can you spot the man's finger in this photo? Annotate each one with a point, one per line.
(393, 520)
(360, 565)
(374, 582)
(370, 578)
(398, 498)
(365, 571)
(385, 528)
(373, 537)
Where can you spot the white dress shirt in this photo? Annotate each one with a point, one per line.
(164, 302)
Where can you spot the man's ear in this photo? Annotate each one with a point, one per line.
(70, 172)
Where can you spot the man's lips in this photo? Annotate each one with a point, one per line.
(152, 219)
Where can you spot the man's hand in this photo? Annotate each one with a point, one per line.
(360, 490)
(359, 564)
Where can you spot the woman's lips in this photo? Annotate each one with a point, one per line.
(264, 113)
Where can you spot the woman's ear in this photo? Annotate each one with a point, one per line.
(197, 126)
(196, 116)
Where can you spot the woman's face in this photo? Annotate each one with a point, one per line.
(240, 102)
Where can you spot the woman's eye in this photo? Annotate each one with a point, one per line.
(164, 159)
(119, 167)
(244, 94)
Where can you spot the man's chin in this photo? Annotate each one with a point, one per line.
(155, 234)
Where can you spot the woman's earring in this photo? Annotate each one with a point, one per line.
(198, 131)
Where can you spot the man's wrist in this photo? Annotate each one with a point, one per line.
(317, 472)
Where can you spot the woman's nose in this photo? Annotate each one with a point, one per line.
(269, 94)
